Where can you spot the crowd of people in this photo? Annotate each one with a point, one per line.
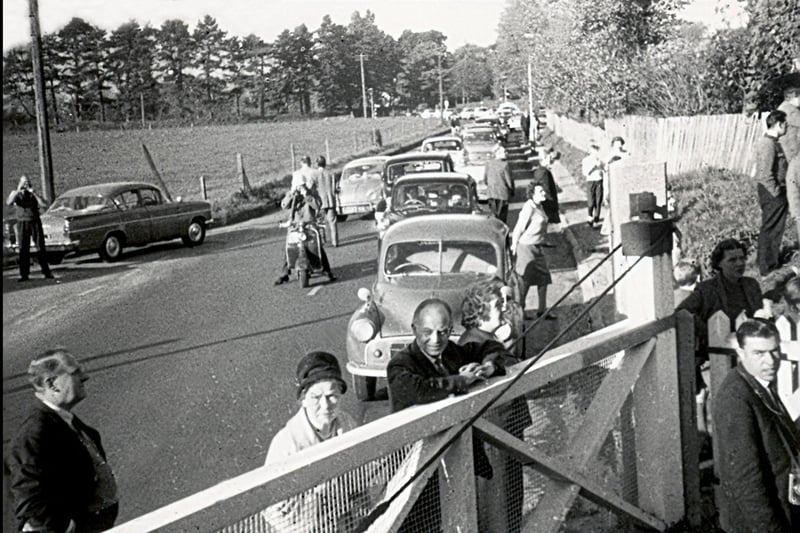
(61, 481)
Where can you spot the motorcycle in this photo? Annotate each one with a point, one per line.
(303, 250)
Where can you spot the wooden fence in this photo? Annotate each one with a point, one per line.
(684, 143)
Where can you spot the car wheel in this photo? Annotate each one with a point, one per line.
(54, 258)
(195, 233)
(304, 278)
(112, 248)
(365, 387)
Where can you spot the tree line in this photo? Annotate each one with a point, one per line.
(207, 75)
(606, 58)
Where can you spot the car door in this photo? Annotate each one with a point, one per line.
(165, 217)
(135, 220)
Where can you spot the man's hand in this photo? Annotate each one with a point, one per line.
(471, 373)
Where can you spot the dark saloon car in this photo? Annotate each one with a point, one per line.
(108, 217)
(413, 163)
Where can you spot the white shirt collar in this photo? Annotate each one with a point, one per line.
(763, 383)
(67, 416)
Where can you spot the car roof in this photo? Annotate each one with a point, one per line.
(442, 138)
(108, 189)
(367, 160)
(448, 226)
(456, 177)
(418, 156)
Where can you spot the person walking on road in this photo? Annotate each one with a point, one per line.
(759, 445)
(304, 175)
(527, 241)
(28, 204)
(326, 190)
(771, 177)
(500, 184)
(60, 479)
(594, 170)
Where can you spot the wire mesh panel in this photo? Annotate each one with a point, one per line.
(337, 505)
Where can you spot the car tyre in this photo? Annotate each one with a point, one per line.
(112, 248)
(195, 233)
(304, 278)
(365, 387)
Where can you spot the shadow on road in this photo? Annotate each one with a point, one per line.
(64, 275)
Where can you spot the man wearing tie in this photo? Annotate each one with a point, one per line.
(758, 443)
(60, 479)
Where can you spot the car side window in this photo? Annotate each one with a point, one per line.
(126, 200)
(149, 197)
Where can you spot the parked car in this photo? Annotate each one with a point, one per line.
(430, 193)
(421, 257)
(360, 185)
(414, 162)
(108, 217)
(467, 113)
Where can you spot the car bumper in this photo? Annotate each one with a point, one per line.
(64, 247)
(376, 355)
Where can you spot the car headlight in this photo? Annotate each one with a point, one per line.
(363, 329)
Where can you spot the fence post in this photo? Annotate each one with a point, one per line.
(657, 394)
(355, 141)
(294, 162)
(203, 187)
(457, 487)
(242, 174)
(690, 437)
(327, 151)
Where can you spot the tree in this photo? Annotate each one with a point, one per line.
(174, 53)
(255, 68)
(470, 77)
(18, 81)
(381, 53)
(209, 59)
(82, 55)
(338, 76)
(421, 53)
(293, 52)
(131, 62)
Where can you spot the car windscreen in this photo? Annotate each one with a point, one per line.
(86, 203)
(363, 170)
(479, 136)
(396, 170)
(452, 145)
(430, 196)
(435, 257)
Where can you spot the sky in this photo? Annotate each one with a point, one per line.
(462, 21)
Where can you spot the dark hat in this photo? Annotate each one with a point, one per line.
(315, 367)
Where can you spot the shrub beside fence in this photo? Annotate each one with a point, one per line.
(685, 143)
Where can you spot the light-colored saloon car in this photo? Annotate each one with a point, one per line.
(109, 217)
(360, 186)
(421, 257)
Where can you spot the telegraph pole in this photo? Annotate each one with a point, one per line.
(530, 101)
(42, 126)
(363, 85)
(441, 90)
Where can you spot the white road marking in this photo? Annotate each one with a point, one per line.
(84, 293)
(315, 290)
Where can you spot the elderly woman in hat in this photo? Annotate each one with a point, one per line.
(319, 388)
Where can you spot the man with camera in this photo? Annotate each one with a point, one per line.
(30, 225)
(758, 444)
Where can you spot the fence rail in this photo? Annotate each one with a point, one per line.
(685, 143)
(590, 434)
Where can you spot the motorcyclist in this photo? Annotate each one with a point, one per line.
(304, 205)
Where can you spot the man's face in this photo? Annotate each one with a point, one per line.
(66, 390)
(759, 357)
(432, 331)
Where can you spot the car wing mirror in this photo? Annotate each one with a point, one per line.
(364, 294)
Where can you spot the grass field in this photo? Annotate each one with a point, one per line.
(182, 155)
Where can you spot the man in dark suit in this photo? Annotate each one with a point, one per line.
(500, 184)
(758, 442)
(60, 480)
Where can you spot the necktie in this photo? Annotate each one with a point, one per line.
(440, 367)
(773, 394)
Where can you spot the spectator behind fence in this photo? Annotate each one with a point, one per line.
(594, 170)
(791, 106)
(729, 290)
(488, 313)
(686, 274)
(791, 300)
(60, 478)
(758, 443)
(771, 166)
(320, 387)
(430, 369)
